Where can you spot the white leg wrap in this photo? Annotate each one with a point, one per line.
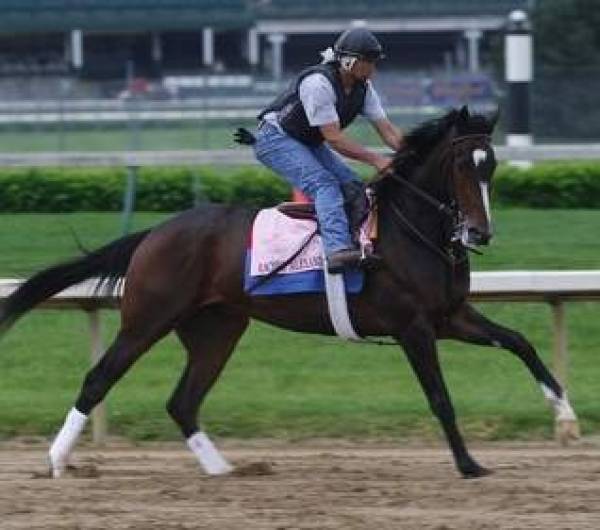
(562, 408)
(566, 425)
(208, 455)
(65, 441)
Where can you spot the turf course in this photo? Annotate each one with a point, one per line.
(293, 385)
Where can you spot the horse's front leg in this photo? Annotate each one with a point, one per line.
(419, 344)
(468, 325)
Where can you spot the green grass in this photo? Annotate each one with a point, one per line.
(294, 385)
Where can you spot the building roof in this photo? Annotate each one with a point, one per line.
(98, 15)
(381, 8)
(60, 15)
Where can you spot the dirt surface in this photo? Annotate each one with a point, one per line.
(319, 484)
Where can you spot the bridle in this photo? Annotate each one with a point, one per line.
(449, 208)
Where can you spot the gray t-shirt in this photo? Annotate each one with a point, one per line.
(318, 99)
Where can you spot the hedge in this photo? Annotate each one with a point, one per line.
(158, 189)
(551, 185)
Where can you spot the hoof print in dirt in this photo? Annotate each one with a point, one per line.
(254, 469)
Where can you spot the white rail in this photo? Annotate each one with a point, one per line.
(553, 287)
(243, 156)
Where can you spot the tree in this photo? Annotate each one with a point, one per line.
(567, 34)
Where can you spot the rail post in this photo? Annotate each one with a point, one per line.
(99, 419)
(564, 430)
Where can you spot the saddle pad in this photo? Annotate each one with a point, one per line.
(276, 237)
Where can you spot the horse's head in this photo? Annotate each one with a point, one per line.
(469, 162)
(447, 163)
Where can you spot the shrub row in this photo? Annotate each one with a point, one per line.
(158, 189)
(549, 185)
(565, 185)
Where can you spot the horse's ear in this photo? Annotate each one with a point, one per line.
(463, 114)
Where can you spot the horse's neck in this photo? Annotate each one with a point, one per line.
(430, 177)
(421, 214)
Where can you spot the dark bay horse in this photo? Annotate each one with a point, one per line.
(186, 275)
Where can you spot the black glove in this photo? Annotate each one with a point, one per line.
(244, 136)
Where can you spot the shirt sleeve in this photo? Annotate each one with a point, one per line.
(372, 109)
(318, 99)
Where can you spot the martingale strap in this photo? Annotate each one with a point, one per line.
(335, 292)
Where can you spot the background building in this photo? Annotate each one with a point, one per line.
(234, 54)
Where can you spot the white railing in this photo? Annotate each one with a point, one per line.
(553, 287)
(241, 155)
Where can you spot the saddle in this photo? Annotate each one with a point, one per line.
(356, 205)
(298, 210)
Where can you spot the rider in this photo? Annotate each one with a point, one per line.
(299, 129)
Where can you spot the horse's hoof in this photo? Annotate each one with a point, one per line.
(57, 467)
(217, 471)
(567, 431)
(476, 471)
(56, 472)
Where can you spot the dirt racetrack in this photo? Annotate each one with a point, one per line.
(319, 484)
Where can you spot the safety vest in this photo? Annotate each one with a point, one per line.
(290, 111)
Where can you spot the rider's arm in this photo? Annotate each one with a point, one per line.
(389, 133)
(318, 98)
(345, 146)
(374, 112)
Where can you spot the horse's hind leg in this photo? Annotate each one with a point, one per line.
(209, 337)
(147, 314)
(469, 325)
(128, 346)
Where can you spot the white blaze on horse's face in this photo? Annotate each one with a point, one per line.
(475, 168)
(480, 156)
(485, 196)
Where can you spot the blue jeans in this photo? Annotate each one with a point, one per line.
(317, 172)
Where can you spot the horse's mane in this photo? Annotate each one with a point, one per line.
(420, 141)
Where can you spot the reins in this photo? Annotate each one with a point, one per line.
(446, 257)
(430, 199)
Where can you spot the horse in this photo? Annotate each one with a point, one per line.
(186, 276)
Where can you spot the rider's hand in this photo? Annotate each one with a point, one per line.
(382, 163)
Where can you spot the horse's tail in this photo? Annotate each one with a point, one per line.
(108, 264)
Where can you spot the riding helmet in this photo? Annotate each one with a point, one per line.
(358, 42)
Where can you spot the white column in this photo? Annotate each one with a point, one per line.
(473, 37)
(277, 40)
(77, 49)
(518, 56)
(208, 46)
(253, 47)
